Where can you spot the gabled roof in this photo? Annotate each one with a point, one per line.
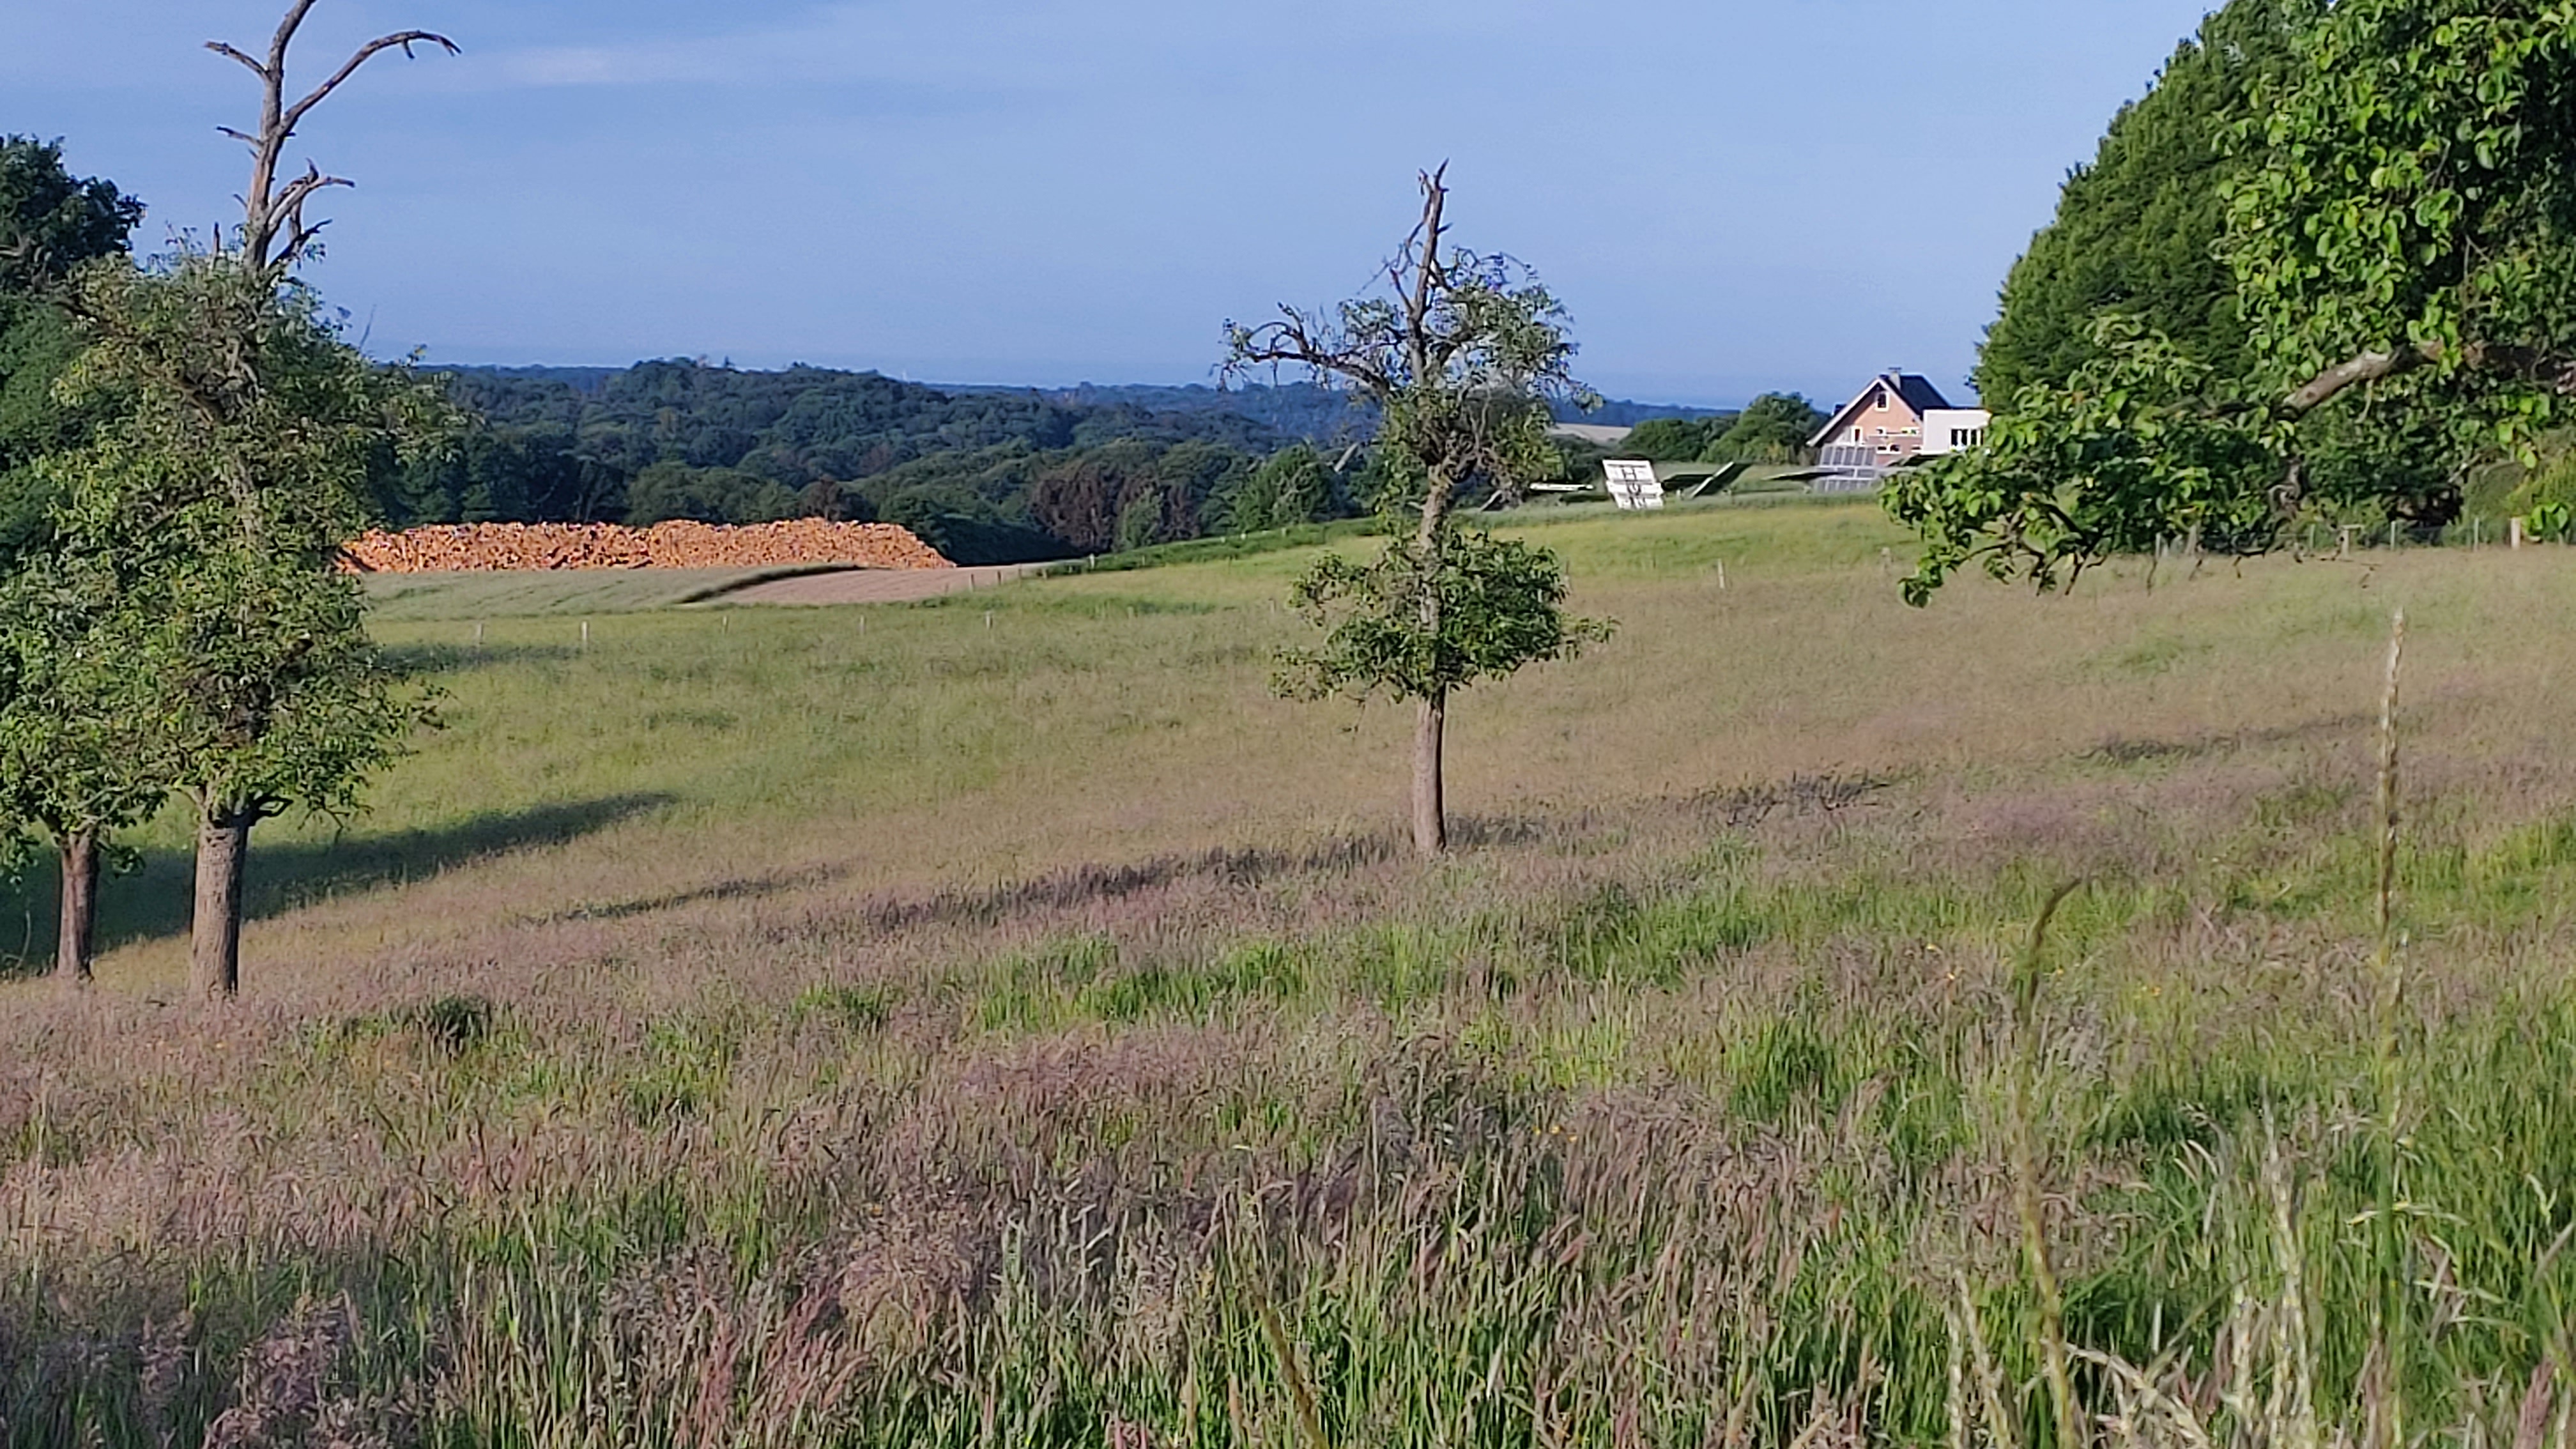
(1918, 392)
(1912, 389)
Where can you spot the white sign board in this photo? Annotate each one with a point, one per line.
(1632, 483)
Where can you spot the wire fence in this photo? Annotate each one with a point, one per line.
(2472, 532)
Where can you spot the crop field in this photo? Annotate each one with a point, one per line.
(412, 598)
(999, 1021)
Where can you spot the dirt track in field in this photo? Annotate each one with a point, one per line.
(875, 586)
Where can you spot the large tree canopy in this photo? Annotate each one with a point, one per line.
(2401, 248)
(51, 222)
(2138, 230)
(2407, 213)
(1773, 428)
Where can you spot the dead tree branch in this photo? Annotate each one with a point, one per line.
(274, 234)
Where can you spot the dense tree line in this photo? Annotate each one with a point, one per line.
(1329, 417)
(988, 475)
(1773, 428)
(993, 476)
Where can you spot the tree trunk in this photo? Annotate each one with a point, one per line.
(1430, 811)
(76, 943)
(214, 934)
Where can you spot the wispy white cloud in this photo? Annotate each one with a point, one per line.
(829, 44)
(1018, 43)
(593, 65)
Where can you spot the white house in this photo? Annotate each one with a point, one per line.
(1952, 430)
(1900, 416)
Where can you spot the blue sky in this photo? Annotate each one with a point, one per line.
(1731, 195)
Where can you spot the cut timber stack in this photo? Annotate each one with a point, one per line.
(512, 547)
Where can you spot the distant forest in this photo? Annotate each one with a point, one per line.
(987, 475)
(1315, 414)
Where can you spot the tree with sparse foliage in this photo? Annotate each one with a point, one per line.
(1461, 354)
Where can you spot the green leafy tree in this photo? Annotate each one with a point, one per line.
(2409, 234)
(1293, 486)
(2142, 442)
(2398, 236)
(2138, 230)
(213, 510)
(1250, 505)
(1308, 490)
(65, 766)
(224, 500)
(51, 223)
(2547, 500)
(1140, 519)
(1773, 428)
(1670, 440)
(218, 499)
(1460, 353)
(77, 759)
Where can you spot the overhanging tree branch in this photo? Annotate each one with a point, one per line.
(2368, 367)
(2531, 366)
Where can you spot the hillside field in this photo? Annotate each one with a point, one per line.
(998, 1020)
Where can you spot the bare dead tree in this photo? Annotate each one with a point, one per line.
(274, 235)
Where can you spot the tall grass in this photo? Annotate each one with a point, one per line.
(1070, 1088)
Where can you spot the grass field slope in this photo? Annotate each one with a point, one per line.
(999, 1021)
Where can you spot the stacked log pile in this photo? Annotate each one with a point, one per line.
(498, 547)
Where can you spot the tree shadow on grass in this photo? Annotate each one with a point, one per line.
(154, 901)
(432, 661)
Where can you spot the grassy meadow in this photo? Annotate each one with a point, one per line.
(999, 1021)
